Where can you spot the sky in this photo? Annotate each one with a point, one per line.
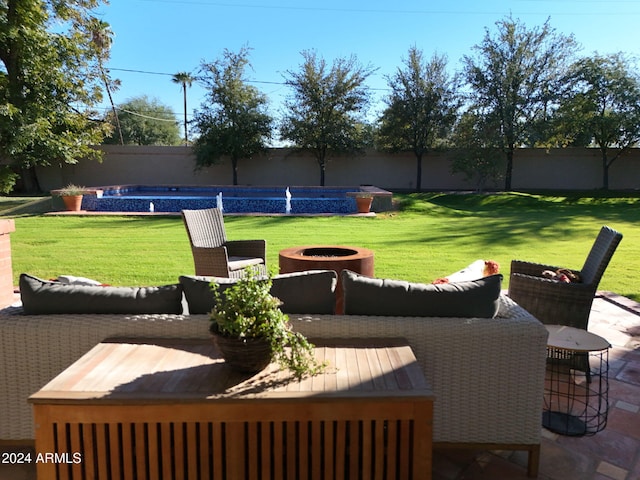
(154, 39)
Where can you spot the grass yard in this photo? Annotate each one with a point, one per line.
(431, 235)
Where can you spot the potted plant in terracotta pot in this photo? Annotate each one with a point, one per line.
(72, 196)
(250, 330)
(363, 202)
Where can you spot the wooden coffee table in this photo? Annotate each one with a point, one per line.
(164, 409)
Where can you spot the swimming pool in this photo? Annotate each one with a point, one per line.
(173, 199)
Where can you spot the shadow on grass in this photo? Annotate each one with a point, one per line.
(608, 204)
(511, 222)
(11, 207)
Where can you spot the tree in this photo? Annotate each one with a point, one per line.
(102, 37)
(233, 121)
(325, 112)
(185, 79)
(145, 121)
(516, 78)
(475, 155)
(421, 108)
(50, 84)
(602, 109)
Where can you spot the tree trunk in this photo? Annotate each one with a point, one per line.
(509, 171)
(605, 171)
(234, 166)
(184, 93)
(322, 172)
(29, 178)
(418, 172)
(113, 105)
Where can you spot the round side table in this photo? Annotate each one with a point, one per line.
(576, 396)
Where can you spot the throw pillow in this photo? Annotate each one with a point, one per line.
(373, 296)
(473, 271)
(41, 297)
(198, 294)
(312, 291)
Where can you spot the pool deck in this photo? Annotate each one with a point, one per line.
(239, 199)
(177, 214)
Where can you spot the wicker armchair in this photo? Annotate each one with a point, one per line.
(557, 303)
(213, 254)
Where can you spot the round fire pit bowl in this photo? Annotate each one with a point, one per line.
(328, 257)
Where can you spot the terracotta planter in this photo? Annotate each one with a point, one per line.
(72, 203)
(364, 204)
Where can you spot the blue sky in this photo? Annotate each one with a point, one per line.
(157, 38)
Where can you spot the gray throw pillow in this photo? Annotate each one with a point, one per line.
(198, 293)
(41, 297)
(312, 291)
(373, 296)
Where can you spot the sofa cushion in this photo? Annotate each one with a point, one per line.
(41, 297)
(312, 291)
(198, 293)
(373, 296)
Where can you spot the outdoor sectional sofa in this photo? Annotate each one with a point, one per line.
(486, 370)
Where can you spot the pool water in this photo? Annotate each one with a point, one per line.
(142, 198)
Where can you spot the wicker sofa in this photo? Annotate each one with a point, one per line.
(487, 374)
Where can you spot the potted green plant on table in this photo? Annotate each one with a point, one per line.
(250, 330)
(72, 196)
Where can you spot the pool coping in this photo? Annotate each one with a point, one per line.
(349, 191)
(91, 213)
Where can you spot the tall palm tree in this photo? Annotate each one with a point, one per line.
(185, 79)
(102, 37)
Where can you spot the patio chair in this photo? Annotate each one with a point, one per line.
(213, 254)
(557, 303)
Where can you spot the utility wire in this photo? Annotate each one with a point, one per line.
(147, 116)
(611, 11)
(146, 72)
(265, 82)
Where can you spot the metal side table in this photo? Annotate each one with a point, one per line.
(576, 396)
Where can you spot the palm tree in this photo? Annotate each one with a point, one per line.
(101, 39)
(185, 79)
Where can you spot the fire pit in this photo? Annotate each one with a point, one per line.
(328, 257)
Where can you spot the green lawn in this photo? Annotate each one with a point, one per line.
(429, 236)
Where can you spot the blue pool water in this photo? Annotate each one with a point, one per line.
(141, 198)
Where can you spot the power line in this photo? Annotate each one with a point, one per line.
(609, 12)
(147, 116)
(146, 72)
(140, 71)
(265, 82)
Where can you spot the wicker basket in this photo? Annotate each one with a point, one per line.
(247, 355)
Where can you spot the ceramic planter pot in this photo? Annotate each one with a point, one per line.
(72, 203)
(364, 204)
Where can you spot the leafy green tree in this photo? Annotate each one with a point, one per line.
(144, 121)
(421, 108)
(185, 80)
(603, 108)
(325, 112)
(50, 84)
(233, 121)
(476, 155)
(516, 78)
